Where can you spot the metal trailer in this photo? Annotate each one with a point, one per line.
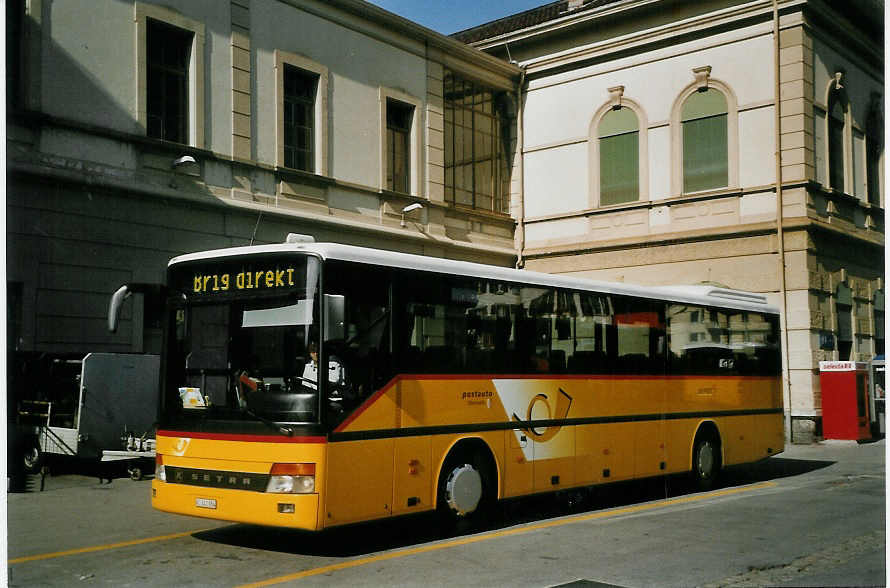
(115, 408)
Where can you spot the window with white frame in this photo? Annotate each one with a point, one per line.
(837, 117)
(477, 140)
(399, 118)
(705, 141)
(819, 144)
(858, 165)
(15, 35)
(400, 142)
(618, 135)
(168, 52)
(301, 90)
(170, 74)
(874, 154)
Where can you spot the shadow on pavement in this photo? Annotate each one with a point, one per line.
(412, 530)
(772, 469)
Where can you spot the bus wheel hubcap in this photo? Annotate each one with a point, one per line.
(463, 490)
(705, 460)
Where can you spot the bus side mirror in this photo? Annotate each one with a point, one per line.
(124, 292)
(334, 317)
(114, 307)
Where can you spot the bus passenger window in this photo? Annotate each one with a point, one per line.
(721, 342)
(595, 335)
(641, 338)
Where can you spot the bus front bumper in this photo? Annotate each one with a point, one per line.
(297, 511)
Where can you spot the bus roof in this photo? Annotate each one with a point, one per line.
(706, 295)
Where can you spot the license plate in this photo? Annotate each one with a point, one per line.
(205, 502)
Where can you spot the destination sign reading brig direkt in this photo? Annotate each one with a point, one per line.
(270, 279)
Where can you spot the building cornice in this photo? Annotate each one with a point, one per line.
(330, 221)
(571, 19)
(759, 10)
(819, 11)
(392, 22)
(761, 229)
(852, 44)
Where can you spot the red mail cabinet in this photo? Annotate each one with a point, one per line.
(844, 400)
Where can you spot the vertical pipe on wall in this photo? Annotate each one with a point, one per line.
(520, 260)
(780, 232)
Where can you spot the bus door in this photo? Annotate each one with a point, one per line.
(519, 464)
(541, 449)
(553, 445)
(359, 483)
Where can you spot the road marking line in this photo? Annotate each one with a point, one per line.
(505, 533)
(28, 558)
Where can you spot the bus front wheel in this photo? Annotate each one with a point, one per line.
(705, 461)
(463, 488)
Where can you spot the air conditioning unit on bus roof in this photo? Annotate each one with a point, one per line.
(293, 238)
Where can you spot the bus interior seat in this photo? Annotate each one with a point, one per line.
(587, 362)
(439, 358)
(557, 361)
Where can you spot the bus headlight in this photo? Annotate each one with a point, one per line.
(291, 478)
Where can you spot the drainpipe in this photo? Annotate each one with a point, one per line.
(520, 146)
(780, 231)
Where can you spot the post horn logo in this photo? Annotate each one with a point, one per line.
(545, 429)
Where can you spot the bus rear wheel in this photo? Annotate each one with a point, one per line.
(705, 461)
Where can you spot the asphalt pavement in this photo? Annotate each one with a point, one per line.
(812, 516)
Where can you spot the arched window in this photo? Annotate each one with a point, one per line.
(619, 156)
(836, 123)
(705, 141)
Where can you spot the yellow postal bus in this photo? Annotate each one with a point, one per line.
(311, 385)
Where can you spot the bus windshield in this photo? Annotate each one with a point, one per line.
(241, 334)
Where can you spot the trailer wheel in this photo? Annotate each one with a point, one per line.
(135, 473)
(32, 459)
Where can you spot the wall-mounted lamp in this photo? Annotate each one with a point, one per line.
(410, 208)
(184, 160)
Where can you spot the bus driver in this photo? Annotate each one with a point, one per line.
(336, 375)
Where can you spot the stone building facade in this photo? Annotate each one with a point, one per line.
(649, 137)
(166, 127)
(623, 140)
